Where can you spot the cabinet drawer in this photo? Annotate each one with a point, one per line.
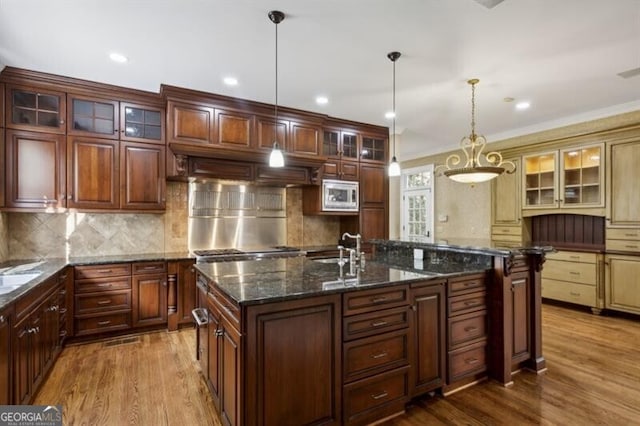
(623, 245)
(371, 355)
(103, 284)
(515, 231)
(467, 303)
(572, 256)
(99, 271)
(364, 325)
(466, 328)
(148, 267)
(467, 360)
(569, 292)
(359, 302)
(376, 397)
(584, 273)
(103, 323)
(514, 240)
(467, 284)
(623, 234)
(107, 301)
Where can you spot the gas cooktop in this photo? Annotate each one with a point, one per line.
(229, 254)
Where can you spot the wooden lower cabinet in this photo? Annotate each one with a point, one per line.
(293, 362)
(35, 340)
(182, 292)
(428, 356)
(520, 289)
(149, 293)
(622, 281)
(6, 324)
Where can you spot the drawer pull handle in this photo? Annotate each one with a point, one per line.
(104, 285)
(471, 303)
(62, 292)
(103, 323)
(378, 324)
(379, 355)
(633, 247)
(470, 329)
(381, 395)
(148, 268)
(574, 257)
(574, 273)
(471, 361)
(63, 311)
(104, 302)
(104, 271)
(630, 235)
(574, 294)
(378, 299)
(469, 283)
(63, 333)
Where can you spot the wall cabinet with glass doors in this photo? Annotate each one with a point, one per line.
(568, 178)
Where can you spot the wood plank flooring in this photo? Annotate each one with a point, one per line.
(593, 377)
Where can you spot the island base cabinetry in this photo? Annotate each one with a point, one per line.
(293, 362)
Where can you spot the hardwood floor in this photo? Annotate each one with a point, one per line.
(593, 377)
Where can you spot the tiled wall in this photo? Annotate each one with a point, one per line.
(4, 237)
(71, 234)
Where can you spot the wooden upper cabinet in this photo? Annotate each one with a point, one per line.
(190, 123)
(29, 108)
(266, 132)
(142, 176)
(92, 173)
(35, 169)
(305, 139)
(373, 188)
(140, 123)
(623, 177)
(373, 149)
(506, 197)
(93, 117)
(234, 129)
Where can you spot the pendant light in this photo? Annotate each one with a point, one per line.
(276, 159)
(478, 167)
(394, 166)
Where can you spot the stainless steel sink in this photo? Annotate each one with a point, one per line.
(11, 282)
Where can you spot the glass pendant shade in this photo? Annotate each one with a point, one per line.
(394, 168)
(276, 159)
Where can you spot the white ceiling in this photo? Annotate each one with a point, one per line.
(561, 55)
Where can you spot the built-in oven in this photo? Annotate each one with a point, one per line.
(340, 196)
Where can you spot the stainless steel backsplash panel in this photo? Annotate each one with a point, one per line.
(226, 215)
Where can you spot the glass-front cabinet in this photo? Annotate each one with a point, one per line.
(32, 109)
(567, 178)
(374, 149)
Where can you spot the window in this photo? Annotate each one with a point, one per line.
(417, 204)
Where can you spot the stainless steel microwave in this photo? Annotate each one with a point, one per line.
(340, 196)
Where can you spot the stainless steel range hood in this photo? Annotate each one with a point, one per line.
(233, 215)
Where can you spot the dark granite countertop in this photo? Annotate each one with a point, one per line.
(46, 268)
(468, 246)
(270, 280)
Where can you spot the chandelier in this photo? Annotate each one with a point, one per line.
(478, 167)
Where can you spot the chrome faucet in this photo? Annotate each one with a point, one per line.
(358, 253)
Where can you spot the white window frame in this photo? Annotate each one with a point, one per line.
(429, 189)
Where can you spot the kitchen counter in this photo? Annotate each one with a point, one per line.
(269, 280)
(46, 268)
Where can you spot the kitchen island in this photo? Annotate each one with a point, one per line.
(299, 341)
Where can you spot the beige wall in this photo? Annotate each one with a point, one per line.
(70, 234)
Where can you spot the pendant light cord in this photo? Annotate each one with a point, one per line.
(394, 109)
(275, 124)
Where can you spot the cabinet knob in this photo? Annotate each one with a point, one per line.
(61, 122)
(2, 319)
(70, 197)
(219, 333)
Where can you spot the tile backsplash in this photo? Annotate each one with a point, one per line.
(72, 234)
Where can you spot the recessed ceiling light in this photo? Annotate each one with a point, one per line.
(523, 105)
(508, 99)
(230, 81)
(389, 114)
(322, 100)
(118, 57)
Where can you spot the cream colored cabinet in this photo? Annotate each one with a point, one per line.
(623, 178)
(574, 277)
(506, 209)
(622, 283)
(565, 179)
